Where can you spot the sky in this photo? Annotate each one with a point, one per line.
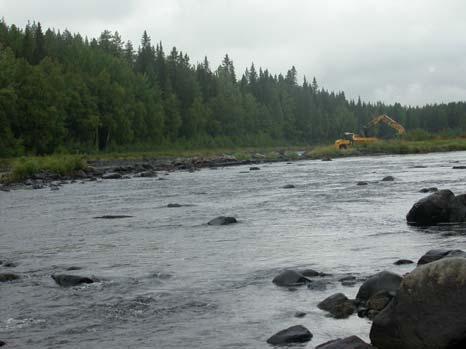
(412, 52)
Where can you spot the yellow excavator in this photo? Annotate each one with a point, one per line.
(350, 139)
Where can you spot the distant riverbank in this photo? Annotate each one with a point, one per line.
(69, 167)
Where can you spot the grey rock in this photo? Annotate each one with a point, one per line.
(338, 305)
(222, 220)
(362, 183)
(440, 207)
(436, 254)
(383, 281)
(289, 278)
(65, 280)
(428, 190)
(299, 314)
(403, 262)
(428, 310)
(294, 334)
(352, 342)
(254, 168)
(113, 216)
(388, 179)
(289, 186)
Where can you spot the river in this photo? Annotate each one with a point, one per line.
(168, 280)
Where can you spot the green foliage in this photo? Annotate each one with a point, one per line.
(59, 91)
(60, 164)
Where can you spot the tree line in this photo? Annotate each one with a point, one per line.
(62, 92)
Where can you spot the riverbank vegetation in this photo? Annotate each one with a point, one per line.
(63, 93)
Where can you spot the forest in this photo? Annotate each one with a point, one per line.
(64, 93)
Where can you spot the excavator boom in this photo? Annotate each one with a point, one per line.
(385, 119)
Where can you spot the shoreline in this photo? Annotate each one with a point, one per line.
(54, 171)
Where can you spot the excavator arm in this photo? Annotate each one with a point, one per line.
(385, 119)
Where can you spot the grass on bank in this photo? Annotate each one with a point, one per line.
(391, 147)
(26, 167)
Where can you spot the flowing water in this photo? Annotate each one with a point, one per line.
(168, 280)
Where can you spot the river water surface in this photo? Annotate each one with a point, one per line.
(168, 280)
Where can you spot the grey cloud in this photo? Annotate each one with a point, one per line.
(413, 51)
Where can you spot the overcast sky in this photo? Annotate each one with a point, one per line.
(412, 52)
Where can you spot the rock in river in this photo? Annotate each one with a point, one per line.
(71, 280)
(403, 262)
(112, 176)
(428, 310)
(113, 216)
(383, 281)
(338, 305)
(288, 186)
(222, 220)
(352, 342)
(388, 179)
(440, 207)
(436, 254)
(294, 334)
(290, 278)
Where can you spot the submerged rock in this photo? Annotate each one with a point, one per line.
(222, 220)
(254, 168)
(5, 277)
(65, 280)
(112, 216)
(403, 262)
(428, 190)
(290, 278)
(294, 334)
(173, 205)
(428, 310)
(299, 314)
(338, 305)
(388, 179)
(436, 254)
(440, 207)
(289, 186)
(112, 176)
(362, 183)
(352, 342)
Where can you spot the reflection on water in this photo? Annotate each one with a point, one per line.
(170, 281)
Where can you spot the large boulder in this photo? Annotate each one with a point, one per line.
(440, 207)
(289, 278)
(428, 310)
(294, 334)
(384, 281)
(436, 254)
(338, 305)
(352, 342)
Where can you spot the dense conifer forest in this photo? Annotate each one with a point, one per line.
(60, 92)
